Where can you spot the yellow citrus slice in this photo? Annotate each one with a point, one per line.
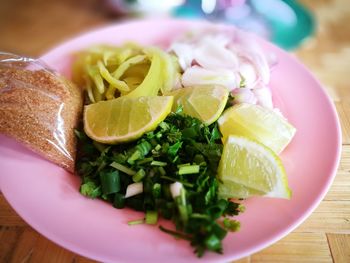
(203, 102)
(125, 119)
(261, 124)
(248, 168)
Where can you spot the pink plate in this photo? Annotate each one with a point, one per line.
(47, 197)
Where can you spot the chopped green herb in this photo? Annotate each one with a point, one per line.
(189, 169)
(137, 177)
(110, 182)
(90, 189)
(136, 222)
(119, 200)
(123, 168)
(181, 149)
(158, 163)
(231, 224)
(151, 217)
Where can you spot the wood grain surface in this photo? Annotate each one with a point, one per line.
(33, 26)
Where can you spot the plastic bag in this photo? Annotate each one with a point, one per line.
(39, 108)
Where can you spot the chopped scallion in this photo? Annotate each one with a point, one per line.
(136, 222)
(161, 170)
(151, 217)
(123, 168)
(176, 180)
(156, 190)
(183, 164)
(119, 201)
(189, 169)
(99, 146)
(158, 147)
(134, 157)
(157, 163)
(110, 182)
(146, 160)
(139, 176)
(134, 189)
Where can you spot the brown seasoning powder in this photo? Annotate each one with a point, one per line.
(40, 110)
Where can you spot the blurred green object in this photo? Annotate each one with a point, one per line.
(287, 23)
(290, 30)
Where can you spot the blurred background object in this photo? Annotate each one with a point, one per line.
(285, 22)
(144, 7)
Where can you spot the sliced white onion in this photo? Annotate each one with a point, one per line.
(210, 55)
(258, 61)
(184, 53)
(134, 189)
(175, 189)
(264, 97)
(244, 95)
(245, 46)
(248, 72)
(216, 57)
(262, 66)
(200, 76)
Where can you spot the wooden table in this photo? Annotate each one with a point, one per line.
(31, 27)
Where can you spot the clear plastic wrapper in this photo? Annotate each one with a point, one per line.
(39, 108)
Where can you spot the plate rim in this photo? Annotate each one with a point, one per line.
(266, 243)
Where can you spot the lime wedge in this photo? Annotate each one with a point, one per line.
(248, 168)
(125, 119)
(258, 123)
(203, 102)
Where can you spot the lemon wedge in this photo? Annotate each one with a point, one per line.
(258, 123)
(248, 168)
(125, 119)
(203, 102)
